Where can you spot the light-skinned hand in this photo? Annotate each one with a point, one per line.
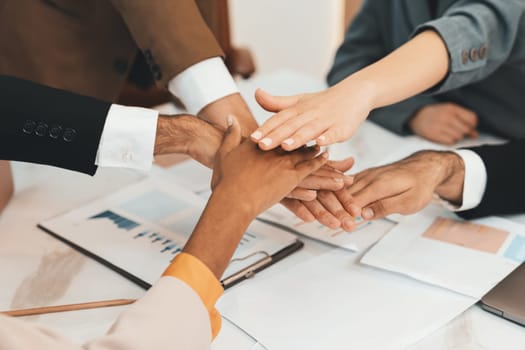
(445, 123)
(326, 117)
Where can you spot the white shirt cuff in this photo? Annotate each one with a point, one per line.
(128, 138)
(474, 184)
(202, 84)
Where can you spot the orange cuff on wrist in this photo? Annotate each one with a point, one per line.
(196, 274)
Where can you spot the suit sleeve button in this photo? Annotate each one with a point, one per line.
(41, 129)
(474, 55)
(55, 131)
(29, 127)
(69, 135)
(464, 57)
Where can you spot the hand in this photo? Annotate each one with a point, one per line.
(256, 179)
(445, 123)
(217, 113)
(406, 186)
(188, 135)
(6, 183)
(330, 177)
(247, 182)
(327, 117)
(327, 207)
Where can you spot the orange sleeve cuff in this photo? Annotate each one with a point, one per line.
(196, 274)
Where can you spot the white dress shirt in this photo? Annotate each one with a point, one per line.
(128, 138)
(474, 184)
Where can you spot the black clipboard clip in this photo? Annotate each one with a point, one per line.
(259, 265)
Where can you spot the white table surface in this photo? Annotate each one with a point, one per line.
(38, 270)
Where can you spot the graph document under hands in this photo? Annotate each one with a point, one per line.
(138, 230)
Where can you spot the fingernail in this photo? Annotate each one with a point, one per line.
(266, 141)
(348, 223)
(324, 155)
(229, 120)
(289, 142)
(354, 210)
(256, 135)
(367, 214)
(338, 179)
(321, 138)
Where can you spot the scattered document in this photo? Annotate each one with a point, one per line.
(365, 235)
(138, 230)
(438, 248)
(333, 302)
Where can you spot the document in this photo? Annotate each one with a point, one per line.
(435, 246)
(138, 230)
(334, 302)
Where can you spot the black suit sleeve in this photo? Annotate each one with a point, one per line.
(505, 191)
(43, 125)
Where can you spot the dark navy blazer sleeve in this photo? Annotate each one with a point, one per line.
(49, 126)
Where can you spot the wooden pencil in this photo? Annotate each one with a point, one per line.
(69, 307)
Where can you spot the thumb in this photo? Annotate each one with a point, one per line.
(275, 104)
(232, 137)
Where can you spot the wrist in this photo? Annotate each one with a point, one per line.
(174, 134)
(451, 186)
(364, 88)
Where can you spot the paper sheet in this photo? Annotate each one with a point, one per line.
(438, 248)
(153, 219)
(333, 302)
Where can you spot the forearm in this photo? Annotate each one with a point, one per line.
(218, 111)
(6, 184)
(391, 79)
(219, 231)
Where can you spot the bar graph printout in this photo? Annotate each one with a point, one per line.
(468, 257)
(141, 228)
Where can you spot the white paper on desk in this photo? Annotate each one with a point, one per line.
(438, 248)
(152, 220)
(364, 236)
(332, 302)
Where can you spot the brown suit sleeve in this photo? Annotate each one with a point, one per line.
(171, 33)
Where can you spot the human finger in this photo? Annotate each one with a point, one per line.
(322, 214)
(273, 103)
(330, 201)
(232, 137)
(302, 194)
(307, 167)
(299, 209)
(315, 182)
(286, 122)
(467, 116)
(384, 207)
(343, 165)
(378, 190)
(306, 132)
(347, 201)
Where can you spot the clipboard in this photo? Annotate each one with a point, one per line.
(138, 230)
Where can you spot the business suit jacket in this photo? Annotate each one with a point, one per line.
(505, 191)
(88, 47)
(49, 126)
(486, 44)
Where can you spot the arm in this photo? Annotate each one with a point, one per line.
(176, 312)
(6, 184)
(184, 55)
(439, 60)
(503, 194)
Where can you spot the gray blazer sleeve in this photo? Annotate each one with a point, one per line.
(480, 37)
(363, 44)
(395, 117)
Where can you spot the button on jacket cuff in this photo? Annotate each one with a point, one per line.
(202, 84)
(464, 61)
(194, 273)
(128, 139)
(474, 184)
